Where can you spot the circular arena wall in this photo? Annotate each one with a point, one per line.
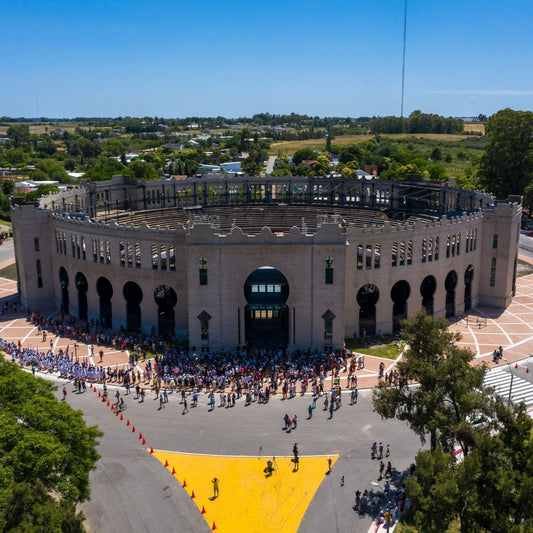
(187, 259)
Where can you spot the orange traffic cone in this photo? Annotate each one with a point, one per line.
(133, 429)
(112, 408)
(173, 471)
(116, 413)
(193, 495)
(527, 370)
(166, 463)
(121, 418)
(214, 527)
(203, 510)
(184, 483)
(151, 449)
(141, 435)
(516, 365)
(144, 442)
(128, 422)
(108, 404)
(99, 394)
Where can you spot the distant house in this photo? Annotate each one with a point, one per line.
(173, 146)
(234, 166)
(371, 169)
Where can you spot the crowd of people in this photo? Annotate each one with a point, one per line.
(254, 374)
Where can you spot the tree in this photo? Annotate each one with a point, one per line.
(322, 167)
(448, 389)
(46, 446)
(490, 490)
(506, 167)
(305, 154)
(19, 135)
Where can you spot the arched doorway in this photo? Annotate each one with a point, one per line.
(427, 291)
(166, 298)
(105, 292)
(266, 318)
(469, 277)
(82, 286)
(399, 295)
(367, 298)
(63, 280)
(133, 295)
(449, 285)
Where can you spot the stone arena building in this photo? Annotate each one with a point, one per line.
(227, 261)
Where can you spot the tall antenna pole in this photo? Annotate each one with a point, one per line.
(403, 62)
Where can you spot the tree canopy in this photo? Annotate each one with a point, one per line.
(47, 454)
(506, 167)
(448, 389)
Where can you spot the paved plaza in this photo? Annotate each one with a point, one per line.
(133, 490)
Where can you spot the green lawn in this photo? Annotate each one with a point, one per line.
(10, 272)
(380, 346)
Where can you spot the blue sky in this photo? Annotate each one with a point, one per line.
(178, 58)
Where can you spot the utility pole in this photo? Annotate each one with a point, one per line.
(403, 61)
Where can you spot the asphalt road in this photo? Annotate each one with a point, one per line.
(526, 246)
(132, 492)
(7, 251)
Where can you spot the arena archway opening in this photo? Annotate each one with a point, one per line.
(82, 286)
(469, 277)
(166, 298)
(399, 295)
(427, 291)
(63, 280)
(367, 298)
(133, 295)
(105, 292)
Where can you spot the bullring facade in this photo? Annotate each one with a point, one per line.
(266, 262)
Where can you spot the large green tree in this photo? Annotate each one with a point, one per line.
(438, 387)
(46, 445)
(490, 490)
(506, 167)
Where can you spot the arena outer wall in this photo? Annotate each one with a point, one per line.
(118, 252)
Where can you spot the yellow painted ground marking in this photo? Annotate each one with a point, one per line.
(249, 501)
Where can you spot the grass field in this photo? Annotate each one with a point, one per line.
(289, 147)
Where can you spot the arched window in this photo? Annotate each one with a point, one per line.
(402, 253)
(409, 252)
(437, 241)
(424, 250)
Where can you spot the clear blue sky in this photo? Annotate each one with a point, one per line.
(178, 58)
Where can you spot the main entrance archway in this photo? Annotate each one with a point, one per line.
(266, 319)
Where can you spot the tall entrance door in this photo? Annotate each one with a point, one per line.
(266, 319)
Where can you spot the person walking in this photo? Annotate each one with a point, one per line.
(64, 393)
(185, 406)
(380, 450)
(381, 469)
(388, 471)
(310, 411)
(215, 482)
